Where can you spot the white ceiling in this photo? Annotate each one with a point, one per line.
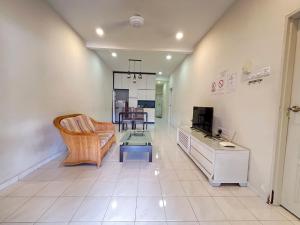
(163, 18)
(153, 61)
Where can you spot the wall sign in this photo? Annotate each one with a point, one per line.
(231, 82)
(218, 85)
(225, 82)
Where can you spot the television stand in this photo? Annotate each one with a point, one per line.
(220, 164)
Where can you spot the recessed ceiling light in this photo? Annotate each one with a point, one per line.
(113, 54)
(168, 57)
(179, 35)
(159, 73)
(100, 31)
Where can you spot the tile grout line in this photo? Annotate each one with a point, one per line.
(81, 203)
(137, 193)
(162, 198)
(257, 219)
(30, 197)
(59, 196)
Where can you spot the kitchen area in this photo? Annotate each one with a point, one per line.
(134, 90)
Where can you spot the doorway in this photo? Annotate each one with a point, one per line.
(170, 106)
(159, 100)
(287, 163)
(291, 174)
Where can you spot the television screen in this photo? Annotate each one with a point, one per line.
(203, 119)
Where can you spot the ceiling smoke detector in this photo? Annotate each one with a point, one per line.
(136, 21)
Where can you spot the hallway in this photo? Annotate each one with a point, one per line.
(171, 190)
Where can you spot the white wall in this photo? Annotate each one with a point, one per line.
(250, 31)
(159, 100)
(45, 71)
(165, 100)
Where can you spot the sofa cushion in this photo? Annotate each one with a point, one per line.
(104, 137)
(85, 123)
(70, 124)
(105, 133)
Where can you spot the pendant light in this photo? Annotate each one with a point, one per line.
(136, 74)
(128, 74)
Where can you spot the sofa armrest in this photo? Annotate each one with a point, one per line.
(104, 126)
(81, 141)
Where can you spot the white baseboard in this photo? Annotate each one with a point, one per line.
(257, 192)
(21, 175)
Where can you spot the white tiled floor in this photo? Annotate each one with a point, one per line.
(169, 191)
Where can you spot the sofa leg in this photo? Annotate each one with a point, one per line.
(99, 163)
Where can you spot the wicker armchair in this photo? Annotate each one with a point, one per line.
(86, 147)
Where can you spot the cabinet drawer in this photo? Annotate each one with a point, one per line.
(204, 151)
(183, 140)
(207, 165)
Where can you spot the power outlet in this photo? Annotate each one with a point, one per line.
(225, 132)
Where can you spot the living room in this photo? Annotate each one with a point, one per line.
(61, 60)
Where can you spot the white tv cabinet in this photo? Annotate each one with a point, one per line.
(220, 164)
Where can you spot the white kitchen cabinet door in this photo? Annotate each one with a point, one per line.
(142, 83)
(151, 114)
(151, 82)
(118, 81)
(133, 93)
(125, 82)
(133, 102)
(150, 95)
(141, 94)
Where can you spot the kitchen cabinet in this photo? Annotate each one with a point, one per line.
(151, 82)
(151, 114)
(118, 81)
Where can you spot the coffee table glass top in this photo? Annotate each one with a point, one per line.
(136, 137)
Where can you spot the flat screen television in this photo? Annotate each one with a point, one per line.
(203, 119)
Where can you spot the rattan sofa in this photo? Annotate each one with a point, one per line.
(86, 147)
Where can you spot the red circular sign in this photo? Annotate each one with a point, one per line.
(221, 83)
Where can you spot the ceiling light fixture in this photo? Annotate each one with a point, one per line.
(179, 35)
(136, 21)
(100, 31)
(168, 57)
(113, 54)
(159, 73)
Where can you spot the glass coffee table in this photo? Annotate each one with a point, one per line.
(136, 141)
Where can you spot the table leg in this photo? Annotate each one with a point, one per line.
(121, 155)
(150, 155)
(119, 122)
